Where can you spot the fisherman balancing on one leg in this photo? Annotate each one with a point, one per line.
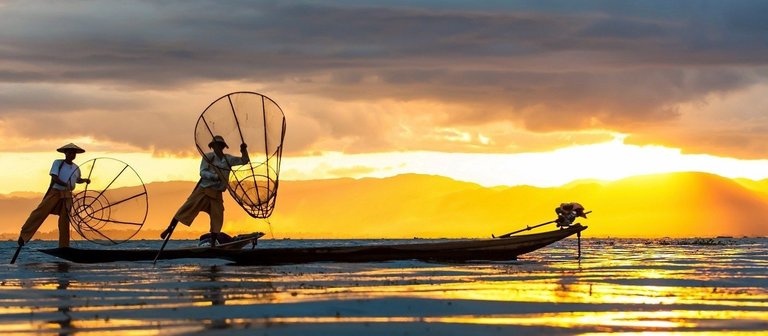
(58, 199)
(207, 196)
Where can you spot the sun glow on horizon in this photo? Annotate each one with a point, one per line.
(605, 161)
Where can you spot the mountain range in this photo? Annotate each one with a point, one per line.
(412, 205)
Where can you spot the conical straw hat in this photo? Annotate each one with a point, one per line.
(70, 147)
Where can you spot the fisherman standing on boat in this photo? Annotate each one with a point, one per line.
(567, 213)
(215, 168)
(58, 199)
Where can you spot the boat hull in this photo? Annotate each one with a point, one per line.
(89, 256)
(499, 249)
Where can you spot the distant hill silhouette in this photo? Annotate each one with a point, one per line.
(661, 205)
(761, 185)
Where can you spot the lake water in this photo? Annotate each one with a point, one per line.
(620, 285)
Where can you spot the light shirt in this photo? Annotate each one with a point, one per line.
(69, 173)
(209, 178)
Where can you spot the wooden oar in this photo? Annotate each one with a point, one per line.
(170, 232)
(526, 229)
(165, 241)
(529, 228)
(16, 255)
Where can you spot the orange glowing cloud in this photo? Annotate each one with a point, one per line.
(488, 78)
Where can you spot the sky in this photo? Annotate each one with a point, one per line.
(497, 93)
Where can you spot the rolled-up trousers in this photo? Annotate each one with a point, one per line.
(55, 202)
(206, 200)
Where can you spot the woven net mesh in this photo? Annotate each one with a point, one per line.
(113, 207)
(256, 120)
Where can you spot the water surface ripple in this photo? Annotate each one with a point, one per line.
(620, 285)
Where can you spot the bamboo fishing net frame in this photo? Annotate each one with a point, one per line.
(253, 185)
(112, 215)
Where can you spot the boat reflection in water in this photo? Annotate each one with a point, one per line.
(619, 286)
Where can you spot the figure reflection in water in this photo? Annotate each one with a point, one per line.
(64, 305)
(215, 295)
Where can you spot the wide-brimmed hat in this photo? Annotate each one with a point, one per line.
(70, 147)
(218, 138)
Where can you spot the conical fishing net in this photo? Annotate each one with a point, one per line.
(113, 207)
(256, 120)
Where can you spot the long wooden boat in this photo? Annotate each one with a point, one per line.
(498, 249)
(89, 256)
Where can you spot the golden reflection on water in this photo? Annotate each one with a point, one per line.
(131, 327)
(614, 290)
(127, 327)
(567, 320)
(640, 319)
(544, 292)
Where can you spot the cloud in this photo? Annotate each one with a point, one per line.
(545, 69)
(352, 171)
(37, 114)
(45, 98)
(734, 125)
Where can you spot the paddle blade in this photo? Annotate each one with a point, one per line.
(15, 255)
(168, 233)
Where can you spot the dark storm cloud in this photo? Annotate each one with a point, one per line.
(25, 99)
(147, 43)
(597, 64)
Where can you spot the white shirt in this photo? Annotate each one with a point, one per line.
(69, 173)
(209, 178)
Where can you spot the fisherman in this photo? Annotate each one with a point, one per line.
(207, 196)
(58, 199)
(567, 213)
